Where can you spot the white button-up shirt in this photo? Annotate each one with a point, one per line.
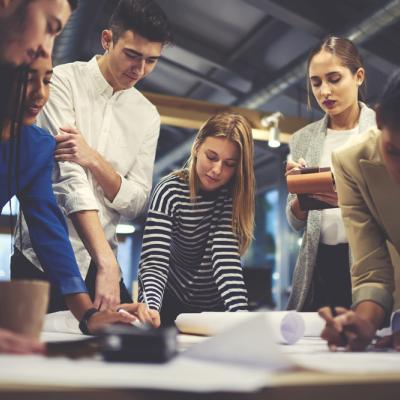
(122, 126)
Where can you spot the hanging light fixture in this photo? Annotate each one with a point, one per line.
(271, 122)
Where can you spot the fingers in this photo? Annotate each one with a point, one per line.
(155, 316)
(143, 313)
(70, 129)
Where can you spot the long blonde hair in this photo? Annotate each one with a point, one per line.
(237, 129)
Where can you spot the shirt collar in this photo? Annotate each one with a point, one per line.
(100, 83)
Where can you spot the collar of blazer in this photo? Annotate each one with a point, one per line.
(384, 192)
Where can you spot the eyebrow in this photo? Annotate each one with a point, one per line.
(137, 53)
(328, 74)
(227, 159)
(35, 71)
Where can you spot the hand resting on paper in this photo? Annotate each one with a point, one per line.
(14, 343)
(134, 312)
(145, 316)
(357, 331)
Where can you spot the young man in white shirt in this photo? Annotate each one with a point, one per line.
(107, 134)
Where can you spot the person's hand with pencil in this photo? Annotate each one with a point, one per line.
(353, 329)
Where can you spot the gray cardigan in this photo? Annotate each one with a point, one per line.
(308, 143)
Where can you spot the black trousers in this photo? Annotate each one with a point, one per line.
(171, 307)
(331, 283)
(22, 268)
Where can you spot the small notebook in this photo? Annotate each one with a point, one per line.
(307, 181)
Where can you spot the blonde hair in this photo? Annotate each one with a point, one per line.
(237, 129)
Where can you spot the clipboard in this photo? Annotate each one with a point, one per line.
(310, 180)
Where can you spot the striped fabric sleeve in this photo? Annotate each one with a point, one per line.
(154, 262)
(227, 268)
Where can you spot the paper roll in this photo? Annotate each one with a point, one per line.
(285, 326)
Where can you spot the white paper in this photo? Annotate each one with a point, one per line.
(61, 322)
(287, 326)
(250, 343)
(181, 374)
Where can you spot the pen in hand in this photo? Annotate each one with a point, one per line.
(343, 337)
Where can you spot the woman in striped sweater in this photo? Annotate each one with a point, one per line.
(199, 223)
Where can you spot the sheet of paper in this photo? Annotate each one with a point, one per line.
(181, 374)
(250, 343)
(287, 326)
(61, 322)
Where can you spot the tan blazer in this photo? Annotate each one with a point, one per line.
(370, 204)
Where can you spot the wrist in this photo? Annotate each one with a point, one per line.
(94, 163)
(83, 323)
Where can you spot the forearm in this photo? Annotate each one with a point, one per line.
(88, 226)
(105, 175)
(372, 312)
(78, 303)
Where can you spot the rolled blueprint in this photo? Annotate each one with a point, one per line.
(286, 326)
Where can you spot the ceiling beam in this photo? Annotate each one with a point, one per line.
(189, 113)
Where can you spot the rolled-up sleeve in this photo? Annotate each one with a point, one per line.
(133, 195)
(70, 181)
(372, 270)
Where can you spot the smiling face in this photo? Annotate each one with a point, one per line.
(334, 86)
(35, 29)
(217, 160)
(38, 89)
(131, 58)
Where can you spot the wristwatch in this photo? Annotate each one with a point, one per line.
(83, 324)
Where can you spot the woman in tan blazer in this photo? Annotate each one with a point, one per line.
(367, 174)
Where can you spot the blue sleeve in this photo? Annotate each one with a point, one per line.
(47, 228)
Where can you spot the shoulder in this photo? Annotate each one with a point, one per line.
(37, 147)
(306, 133)
(69, 69)
(38, 139)
(360, 147)
(142, 103)
(170, 189)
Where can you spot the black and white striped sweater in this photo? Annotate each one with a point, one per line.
(190, 249)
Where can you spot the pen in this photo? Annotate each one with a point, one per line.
(343, 336)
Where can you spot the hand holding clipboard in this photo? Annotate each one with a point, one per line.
(314, 186)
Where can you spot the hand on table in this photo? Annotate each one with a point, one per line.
(134, 311)
(357, 331)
